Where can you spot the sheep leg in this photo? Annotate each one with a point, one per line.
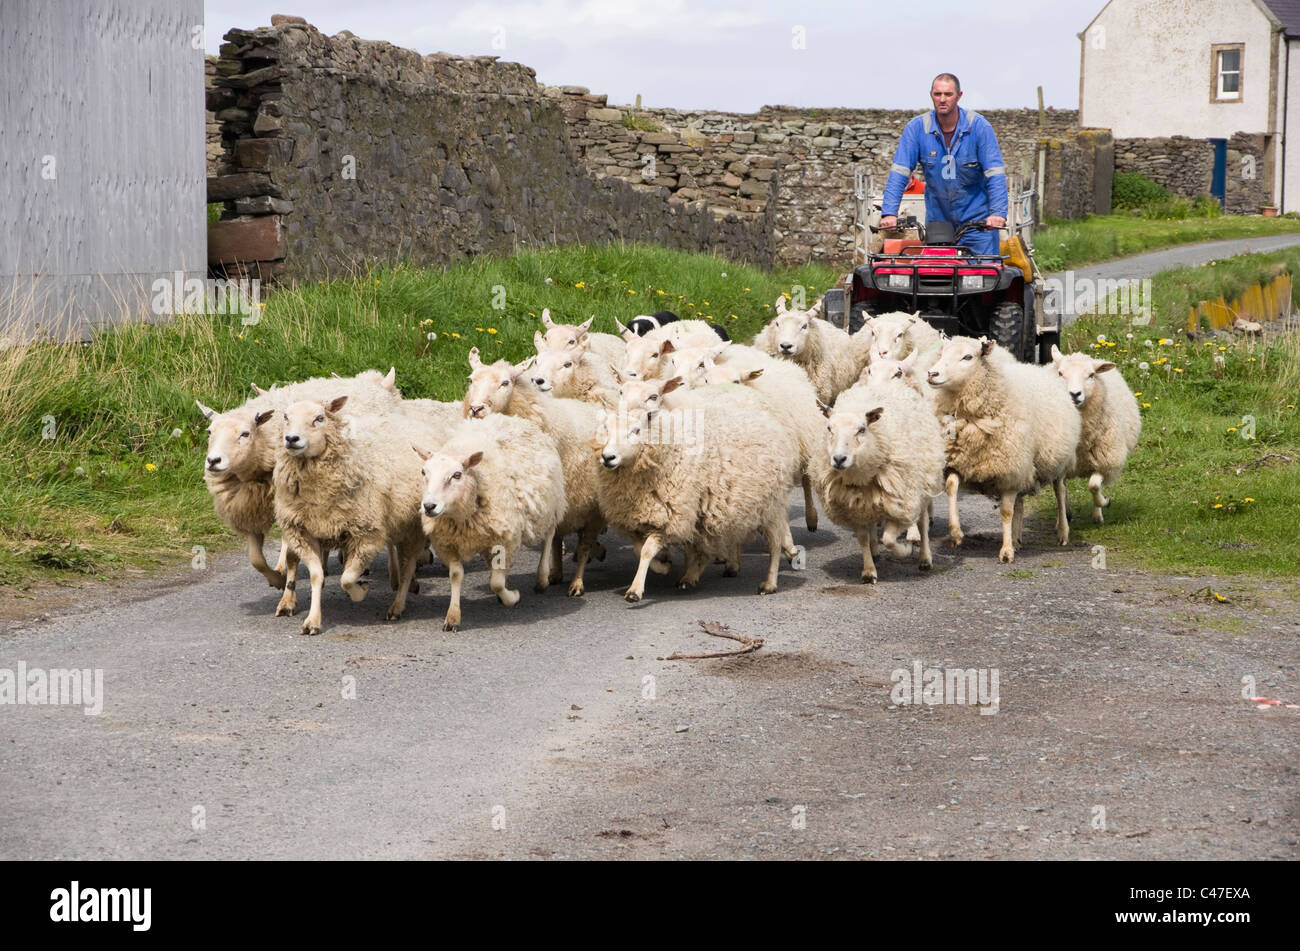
(889, 539)
(1018, 521)
(787, 544)
(875, 541)
(772, 531)
(913, 533)
(1063, 517)
(649, 548)
(1099, 500)
(544, 564)
(289, 599)
(695, 562)
(1007, 508)
(408, 559)
(284, 554)
(315, 560)
(923, 523)
(809, 508)
(456, 571)
(394, 569)
(499, 579)
(586, 541)
(258, 560)
(662, 563)
(951, 483)
(358, 560)
(556, 574)
(733, 560)
(867, 539)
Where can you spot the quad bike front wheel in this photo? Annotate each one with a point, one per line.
(1007, 328)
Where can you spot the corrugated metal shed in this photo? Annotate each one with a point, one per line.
(102, 174)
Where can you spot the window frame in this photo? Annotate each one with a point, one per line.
(1216, 75)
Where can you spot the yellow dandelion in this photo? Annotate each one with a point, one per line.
(1146, 405)
(1178, 369)
(456, 336)
(492, 330)
(747, 290)
(659, 292)
(1232, 429)
(150, 467)
(1248, 499)
(580, 284)
(630, 291)
(479, 329)
(706, 303)
(1218, 505)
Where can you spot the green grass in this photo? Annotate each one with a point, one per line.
(122, 408)
(1066, 244)
(641, 123)
(1181, 504)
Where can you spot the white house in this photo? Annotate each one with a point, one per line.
(1205, 69)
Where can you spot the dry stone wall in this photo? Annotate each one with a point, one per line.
(342, 151)
(1185, 166)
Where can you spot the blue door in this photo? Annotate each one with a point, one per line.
(1218, 180)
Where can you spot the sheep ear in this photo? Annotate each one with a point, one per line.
(826, 410)
(207, 411)
(906, 362)
(1056, 354)
(671, 385)
(585, 326)
(916, 316)
(618, 374)
(546, 318)
(473, 460)
(874, 414)
(667, 347)
(986, 347)
(519, 368)
(780, 304)
(628, 336)
(539, 341)
(754, 374)
(261, 418)
(474, 360)
(390, 379)
(258, 390)
(425, 456)
(336, 404)
(1101, 366)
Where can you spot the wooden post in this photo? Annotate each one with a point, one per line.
(1042, 113)
(638, 102)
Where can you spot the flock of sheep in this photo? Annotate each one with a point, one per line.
(673, 437)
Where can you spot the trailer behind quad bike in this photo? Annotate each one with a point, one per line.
(914, 268)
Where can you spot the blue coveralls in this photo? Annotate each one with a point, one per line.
(967, 182)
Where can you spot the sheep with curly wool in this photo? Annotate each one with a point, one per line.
(348, 482)
(504, 388)
(880, 464)
(703, 481)
(1111, 421)
(608, 347)
(496, 485)
(831, 358)
(1016, 429)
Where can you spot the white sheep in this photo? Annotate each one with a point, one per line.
(645, 355)
(1110, 418)
(577, 375)
(1016, 429)
(897, 334)
(608, 347)
(496, 485)
(881, 464)
(502, 388)
(349, 483)
(831, 358)
(703, 481)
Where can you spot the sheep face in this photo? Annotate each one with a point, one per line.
(562, 336)
(792, 329)
(888, 368)
(554, 369)
(889, 335)
(645, 356)
(308, 426)
(235, 439)
(490, 388)
(691, 364)
(629, 431)
(646, 394)
(450, 484)
(851, 442)
(1078, 372)
(715, 375)
(958, 361)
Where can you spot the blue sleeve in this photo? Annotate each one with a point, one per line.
(995, 169)
(900, 173)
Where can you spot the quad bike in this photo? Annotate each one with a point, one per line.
(918, 268)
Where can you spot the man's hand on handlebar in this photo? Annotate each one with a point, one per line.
(995, 221)
(888, 222)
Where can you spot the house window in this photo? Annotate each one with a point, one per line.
(1225, 72)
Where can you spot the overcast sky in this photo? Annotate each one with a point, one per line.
(733, 55)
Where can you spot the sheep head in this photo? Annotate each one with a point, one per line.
(1078, 372)
(450, 483)
(309, 426)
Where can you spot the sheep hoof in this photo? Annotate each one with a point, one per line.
(685, 585)
(1096, 516)
(767, 587)
(730, 571)
(1007, 556)
(956, 540)
(509, 597)
(276, 581)
(812, 524)
(868, 579)
(286, 607)
(358, 590)
(926, 565)
(576, 590)
(414, 588)
(632, 597)
(309, 628)
(453, 628)
(393, 615)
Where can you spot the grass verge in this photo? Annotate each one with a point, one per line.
(101, 445)
(1209, 488)
(1066, 244)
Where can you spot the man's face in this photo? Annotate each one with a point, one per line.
(945, 97)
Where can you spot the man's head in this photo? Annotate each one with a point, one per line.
(945, 93)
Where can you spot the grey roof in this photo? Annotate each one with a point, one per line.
(1288, 11)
